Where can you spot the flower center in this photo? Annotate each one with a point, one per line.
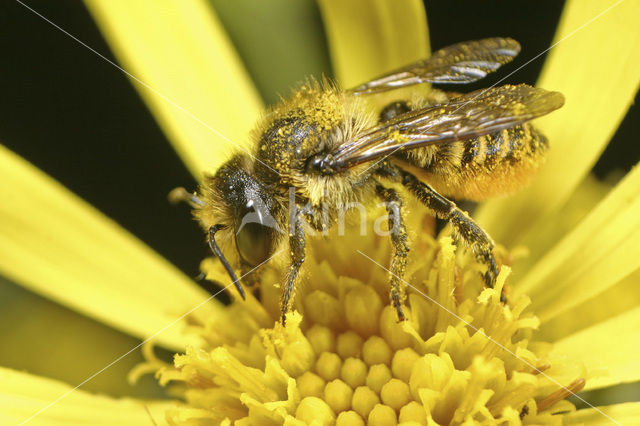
(343, 358)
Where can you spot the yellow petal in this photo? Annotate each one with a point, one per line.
(31, 325)
(186, 70)
(608, 350)
(585, 198)
(597, 68)
(625, 414)
(55, 244)
(598, 253)
(611, 302)
(22, 395)
(368, 38)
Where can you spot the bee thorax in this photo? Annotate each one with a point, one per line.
(322, 164)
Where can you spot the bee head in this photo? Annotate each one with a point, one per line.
(242, 209)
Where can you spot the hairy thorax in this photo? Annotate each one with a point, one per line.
(313, 121)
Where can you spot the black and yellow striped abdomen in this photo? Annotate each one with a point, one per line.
(479, 168)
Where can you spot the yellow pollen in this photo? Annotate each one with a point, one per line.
(313, 409)
(413, 412)
(354, 372)
(391, 330)
(322, 308)
(328, 366)
(364, 310)
(402, 363)
(321, 339)
(376, 351)
(364, 399)
(349, 418)
(378, 376)
(395, 393)
(382, 415)
(310, 384)
(349, 345)
(338, 395)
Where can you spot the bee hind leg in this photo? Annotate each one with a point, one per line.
(399, 240)
(466, 229)
(297, 252)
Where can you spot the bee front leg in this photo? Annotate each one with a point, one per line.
(297, 253)
(467, 230)
(399, 240)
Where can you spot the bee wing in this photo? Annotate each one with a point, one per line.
(468, 116)
(460, 63)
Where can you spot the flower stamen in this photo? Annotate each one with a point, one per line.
(343, 357)
(541, 368)
(562, 393)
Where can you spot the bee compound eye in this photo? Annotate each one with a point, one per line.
(254, 242)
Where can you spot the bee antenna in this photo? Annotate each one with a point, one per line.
(216, 250)
(180, 194)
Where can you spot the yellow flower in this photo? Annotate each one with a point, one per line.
(461, 357)
(342, 356)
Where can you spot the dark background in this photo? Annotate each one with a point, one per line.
(80, 120)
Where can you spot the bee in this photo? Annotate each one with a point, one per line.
(322, 146)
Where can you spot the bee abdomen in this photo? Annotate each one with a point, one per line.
(486, 166)
(510, 145)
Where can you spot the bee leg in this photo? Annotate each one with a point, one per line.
(399, 240)
(467, 230)
(297, 252)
